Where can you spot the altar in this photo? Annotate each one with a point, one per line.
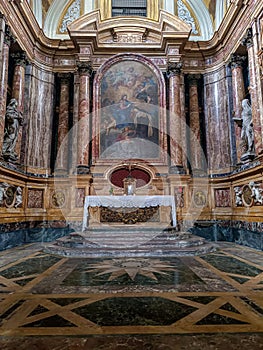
(128, 201)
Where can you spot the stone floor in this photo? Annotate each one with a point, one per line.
(214, 301)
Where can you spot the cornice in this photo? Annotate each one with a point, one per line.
(49, 53)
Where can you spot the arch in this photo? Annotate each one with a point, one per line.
(204, 20)
(220, 11)
(37, 12)
(168, 6)
(54, 15)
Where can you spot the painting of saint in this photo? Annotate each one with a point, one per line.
(129, 114)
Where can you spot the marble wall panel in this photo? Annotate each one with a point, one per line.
(217, 120)
(79, 197)
(35, 198)
(222, 197)
(40, 114)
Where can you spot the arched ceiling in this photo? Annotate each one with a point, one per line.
(204, 16)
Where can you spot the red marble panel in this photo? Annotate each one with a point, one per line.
(79, 197)
(3, 90)
(35, 198)
(222, 197)
(196, 159)
(175, 120)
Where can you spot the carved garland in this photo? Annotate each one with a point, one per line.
(10, 196)
(185, 15)
(248, 195)
(73, 12)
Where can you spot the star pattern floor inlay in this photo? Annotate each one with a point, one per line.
(42, 294)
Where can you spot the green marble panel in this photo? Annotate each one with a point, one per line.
(178, 274)
(30, 267)
(232, 265)
(53, 321)
(137, 311)
(213, 319)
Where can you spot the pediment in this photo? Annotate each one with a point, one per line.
(125, 31)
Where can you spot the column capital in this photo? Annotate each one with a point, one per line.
(2, 16)
(20, 59)
(248, 39)
(64, 78)
(236, 61)
(174, 68)
(193, 79)
(9, 37)
(84, 67)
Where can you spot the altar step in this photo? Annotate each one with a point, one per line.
(129, 243)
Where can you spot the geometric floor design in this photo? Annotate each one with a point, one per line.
(47, 295)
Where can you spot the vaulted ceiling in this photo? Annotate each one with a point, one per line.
(204, 16)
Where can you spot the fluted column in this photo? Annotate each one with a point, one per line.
(63, 124)
(238, 90)
(248, 42)
(8, 39)
(18, 90)
(85, 71)
(174, 74)
(194, 123)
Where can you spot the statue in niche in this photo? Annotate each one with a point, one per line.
(247, 133)
(13, 120)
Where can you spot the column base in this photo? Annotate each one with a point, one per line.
(198, 172)
(82, 170)
(61, 172)
(176, 169)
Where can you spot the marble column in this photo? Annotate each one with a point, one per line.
(176, 152)
(8, 40)
(238, 91)
(217, 122)
(248, 42)
(39, 120)
(2, 33)
(194, 124)
(18, 89)
(63, 124)
(74, 130)
(84, 137)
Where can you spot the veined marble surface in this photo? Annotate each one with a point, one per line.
(212, 301)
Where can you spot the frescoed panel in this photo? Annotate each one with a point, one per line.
(129, 118)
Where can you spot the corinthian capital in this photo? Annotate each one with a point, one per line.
(174, 68)
(84, 67)
(248, 39)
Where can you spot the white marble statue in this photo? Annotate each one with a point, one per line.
(3, 187)
(13, 120)
(19, 198)
(247, 133)
(238, 195)
(256, 192)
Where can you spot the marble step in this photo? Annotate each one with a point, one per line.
(131, 242)
(129, 252)
(110, 241)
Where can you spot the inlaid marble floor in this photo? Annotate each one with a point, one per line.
(214, 301)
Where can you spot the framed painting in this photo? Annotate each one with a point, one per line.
(128, 122)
